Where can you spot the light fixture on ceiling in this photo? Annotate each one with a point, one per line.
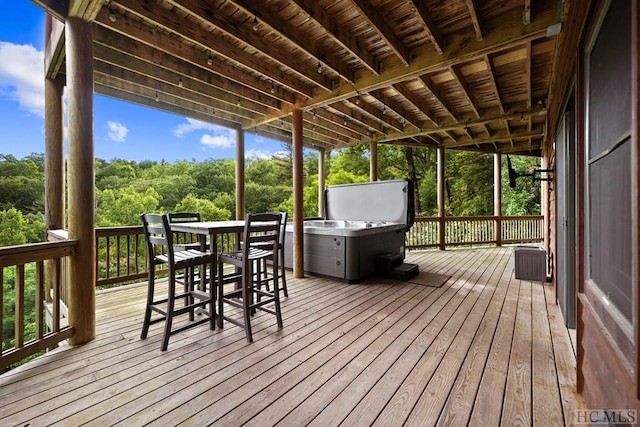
(255, 23)
(358, 100)
(315, 116)
(319, 68)
(384, 110)
(180, 84)
(112, 13)
(273, 88)
(209, 59)
(157, 97)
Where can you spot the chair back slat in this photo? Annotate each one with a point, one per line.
(262, 230)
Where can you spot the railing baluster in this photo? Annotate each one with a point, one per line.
(19, 307)
(39, 299)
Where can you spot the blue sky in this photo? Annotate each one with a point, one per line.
(121, 130)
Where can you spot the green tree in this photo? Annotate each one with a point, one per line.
(12, 228)
(207, 209)
(124, 206)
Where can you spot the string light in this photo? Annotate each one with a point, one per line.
(255, 23)
(273, 88)
(319, 68)
(209, 59)
(180, 84)
(112, 13)
(157, 97)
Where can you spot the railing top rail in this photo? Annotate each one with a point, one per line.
(477, 218)
(118, 231)
(33, 252)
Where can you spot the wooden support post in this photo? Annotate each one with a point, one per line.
(322, 178)
(298, 197)
(240, 180)
(441, 197)
(497, 196)
(373, 162)
(82, 279)
(54, 191)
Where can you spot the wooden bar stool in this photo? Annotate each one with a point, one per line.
(160, 251)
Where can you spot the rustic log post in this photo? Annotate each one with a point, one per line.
(322, 178)
(298, 196)
(373, 162)
(54, 191)
(441, 198)
(497, 196)
(240, 178)
(79, 42)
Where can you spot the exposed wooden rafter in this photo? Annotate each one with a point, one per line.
(474, 12)
(429, 26)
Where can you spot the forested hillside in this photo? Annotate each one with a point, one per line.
(125, 189)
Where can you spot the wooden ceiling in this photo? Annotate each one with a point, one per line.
(464, 74)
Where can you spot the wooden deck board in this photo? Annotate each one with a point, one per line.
(484, 349)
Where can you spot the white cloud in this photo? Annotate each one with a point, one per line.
(220, 141)
(22, 76)
(117, 131)
(193, 125)
(213, 136)
(258, 154)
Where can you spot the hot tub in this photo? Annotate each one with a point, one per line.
(347, 249)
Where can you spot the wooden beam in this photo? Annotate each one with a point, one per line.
(146, 97)
(494, 84)
(391, 105)
(85, 9)
(339, 34)
(412, 99)
(131, 82)
(356, 104)
(380, 25)
(243, 34)
(474, 11)
(429, 25)
(441, 198)
(81, 181)
(495, 138)
(373, 161)
(145, 60)
(440, 99)
(322, 180)
(362, 120)
(240, 175)
(426, 60)
(169, 21)
(57, 8)
(491, 116)
(298, 196)
(528, 75)
(54, 51)
(294, 35)
(526, 13)
(161, 46)
(466, 91)
(142, 71)
(497, 196)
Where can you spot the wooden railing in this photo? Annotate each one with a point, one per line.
(34, 274)
(121, 253)
(479, 230)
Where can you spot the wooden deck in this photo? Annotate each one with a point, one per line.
(483, 349)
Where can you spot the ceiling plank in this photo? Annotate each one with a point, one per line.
(85, 9)
(247, 36)
(54, 51)
(186, 109)
(157, 43)
(426, 60)
(57, 8)
(378, 23)
(365, 121)
(339, 34)
(171, 77)
(429, 26)
(396, 108)
(466, 91)
(171, 22)
(526, 13)
(411, 97)
(474, 11)
(285, 29)
(440, 99)
(121, 50)
(494, 84)
(358, 104)
(463, 142)
(528, 75)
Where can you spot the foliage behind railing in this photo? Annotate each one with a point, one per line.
(121, 253)
(460, 231)
(26, 271)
